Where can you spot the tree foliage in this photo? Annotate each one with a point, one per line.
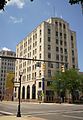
(4, 2)
(70, 80)
(9, 80)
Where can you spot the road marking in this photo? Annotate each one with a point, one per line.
(6, 113)
(80, 118)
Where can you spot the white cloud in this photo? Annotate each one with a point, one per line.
(18, 3)
(48, 3)
(16, 20)
(6, 49)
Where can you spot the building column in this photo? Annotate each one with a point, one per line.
(30, 91)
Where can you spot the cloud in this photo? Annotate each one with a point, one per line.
(18, 3)
(6, 49)
(48, 3)
(16, 20)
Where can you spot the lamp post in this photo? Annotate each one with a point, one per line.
(19, 111)
(43, 81)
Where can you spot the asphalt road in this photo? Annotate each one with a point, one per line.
(47, 111)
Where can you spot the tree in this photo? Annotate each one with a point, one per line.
(73, 83)
(77, 2)
(67, 81)
(59, 84)
(4, 2)
(9, 80)
(9, 86)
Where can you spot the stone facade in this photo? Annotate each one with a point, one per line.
(52, 40)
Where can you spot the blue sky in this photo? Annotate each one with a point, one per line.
(22, 16)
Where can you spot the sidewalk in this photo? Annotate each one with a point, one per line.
(20, 118)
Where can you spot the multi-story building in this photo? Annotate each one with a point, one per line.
(6, 66)
(52, 40)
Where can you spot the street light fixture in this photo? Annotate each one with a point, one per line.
(19, 111)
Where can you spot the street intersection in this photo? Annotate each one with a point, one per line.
(48, 111)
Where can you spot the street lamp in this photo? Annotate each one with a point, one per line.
(19, 112)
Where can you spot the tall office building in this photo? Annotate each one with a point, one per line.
(6, 66)
(52, 40)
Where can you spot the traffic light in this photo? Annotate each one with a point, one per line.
(62, 68)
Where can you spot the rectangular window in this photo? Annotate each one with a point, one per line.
(40, 48)
(57, 57)
(56, 33)
(57, 65)
(65, 51)
(49, 47)
(57, 49)
(57, 42)
(49, 83)
(49, 55)
(39, 84)
(72, 52)
(66, 58)
(40, 55)
(73, 60)
(71, 37)
(49, 31)
(61, 57)
(61, 50)
(61, 42)
(49, 39)
(40, 32)
(49, 73)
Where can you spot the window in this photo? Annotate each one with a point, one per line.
(66, 58)
(49, 47)
(57, 49)
(49, 39)
(40, 55)
(57, 65)
(61, 57)
(72, 45)
(49, 73)
(57, 41)
(40, 32)
(56, 23)
(57, 57)
(49, 31)
(40, 40)
(73, 66)
(73, 60)
(71, 37)
(65, 43)
(61, 42)
(61, 50)
(40, 48)
(72, 52)
(64, 26)
(60, 24)
(49, 83)
(49, 55)
(39, 84)
(60, 34)
(56, 33)
(50, 65)
(65, 51)
(66, 66)
(65, 36)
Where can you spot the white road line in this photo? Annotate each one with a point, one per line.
(8, 113)
(80, 118)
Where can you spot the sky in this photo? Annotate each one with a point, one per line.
(21, 17)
